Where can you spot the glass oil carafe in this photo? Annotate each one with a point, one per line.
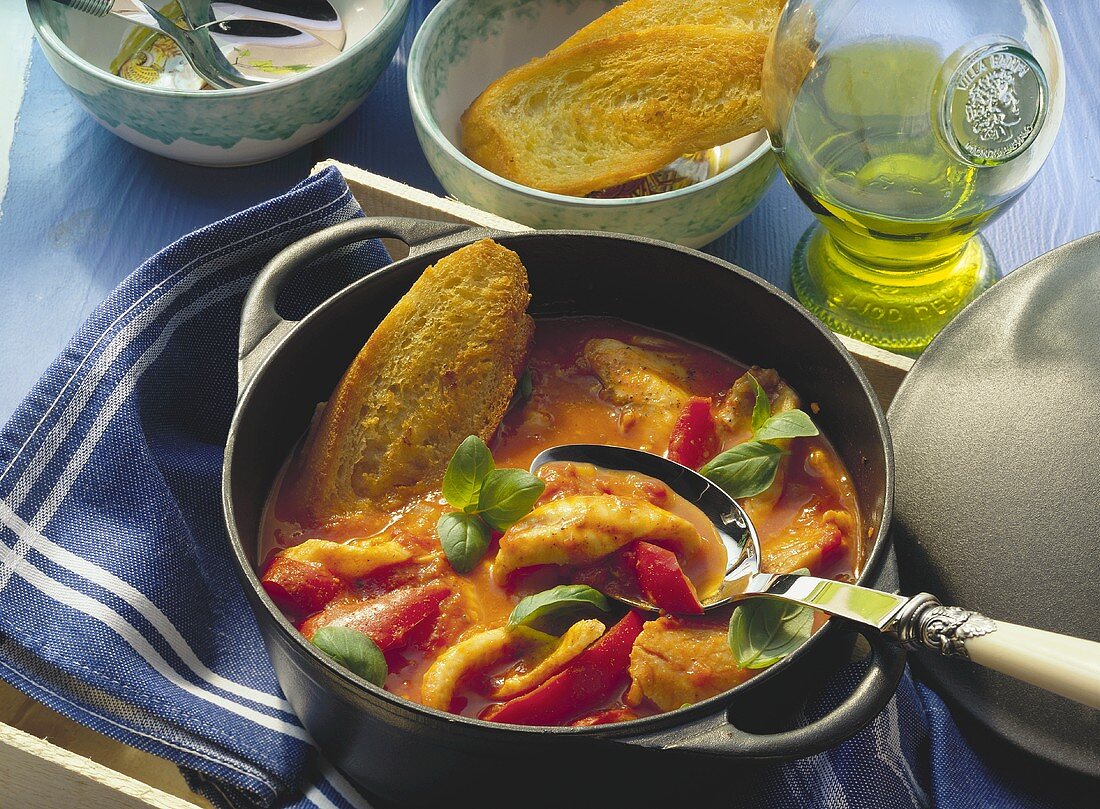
(905, 127)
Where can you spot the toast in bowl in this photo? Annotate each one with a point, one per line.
(441, 366)
(604, 112)
(634, 15)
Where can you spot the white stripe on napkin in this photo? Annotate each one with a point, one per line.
(132, 596)
(30, 535)
(319, 799)
(119, 396)
(96, 374)
(341, 784)
(67, 596)
(887, 734)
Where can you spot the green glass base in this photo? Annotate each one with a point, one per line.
(899, 310)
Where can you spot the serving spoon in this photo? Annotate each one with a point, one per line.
(1060, 663)
(266, 50)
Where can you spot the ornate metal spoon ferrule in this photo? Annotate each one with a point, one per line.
(926, 623)
(906, 624)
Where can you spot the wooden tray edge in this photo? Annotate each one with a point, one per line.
(37, 773)
(381, 195)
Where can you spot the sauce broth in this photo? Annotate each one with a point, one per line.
(568, 404)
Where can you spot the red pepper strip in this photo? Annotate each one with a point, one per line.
(604, 718)
(388, 620)
(662, 581)
(300, 587)
(694, 438)
(831, 549)
(585, 683)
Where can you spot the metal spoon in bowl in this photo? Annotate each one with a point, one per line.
(262, 51)
(1065, 665)
(317, 17)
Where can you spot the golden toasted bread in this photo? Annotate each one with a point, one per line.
(607, 111)
(442, 365)
(634, 15)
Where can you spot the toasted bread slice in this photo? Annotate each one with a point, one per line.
(613, 109)
(442, 365)
(634, 15)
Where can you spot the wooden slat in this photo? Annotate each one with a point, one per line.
(35, 774)
(379, 195)
(69, 754)
(885, 370)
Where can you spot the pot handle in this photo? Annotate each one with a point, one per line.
(718, 735)
(261, 325)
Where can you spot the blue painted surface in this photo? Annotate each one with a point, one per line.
(84, 208)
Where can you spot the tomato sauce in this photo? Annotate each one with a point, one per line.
(814, 519)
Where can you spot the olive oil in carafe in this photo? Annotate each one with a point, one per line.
(862, 131)
(861, 150)
(931, 222)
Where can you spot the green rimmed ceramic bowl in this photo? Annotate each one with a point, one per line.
(464, 45)
(218, 127)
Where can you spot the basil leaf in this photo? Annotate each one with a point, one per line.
(353, 650)
(465, 474)
(761, 406)
(507, 495)
(745, 470)
(557, 599)
(763, 631)
(788, 424)
(464, 538)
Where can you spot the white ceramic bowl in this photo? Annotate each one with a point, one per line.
(219, 127)
(464, 45)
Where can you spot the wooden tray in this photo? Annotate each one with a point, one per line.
(48, 761)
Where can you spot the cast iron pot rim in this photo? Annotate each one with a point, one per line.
(424, 254)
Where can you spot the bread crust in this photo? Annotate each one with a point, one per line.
(634, 15)
(607, 111)
(441, 365)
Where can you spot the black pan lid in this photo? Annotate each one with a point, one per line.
(997, 444)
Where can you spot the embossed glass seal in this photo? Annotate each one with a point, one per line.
(993, 103)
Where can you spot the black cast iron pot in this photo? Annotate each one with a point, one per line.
(413, 755)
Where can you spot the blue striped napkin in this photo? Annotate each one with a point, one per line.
(118, 603)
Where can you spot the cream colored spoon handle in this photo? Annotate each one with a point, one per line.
(1059, 663)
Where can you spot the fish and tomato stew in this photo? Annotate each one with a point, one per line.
(484, 593)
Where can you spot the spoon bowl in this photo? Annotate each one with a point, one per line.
(318, 17)
(263, 50)
(730, 521)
